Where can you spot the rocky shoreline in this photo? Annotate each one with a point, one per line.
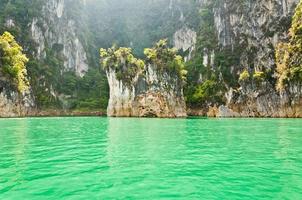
(53, 113)
(212, 112)
(225, 112)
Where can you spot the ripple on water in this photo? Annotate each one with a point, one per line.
(113, 158)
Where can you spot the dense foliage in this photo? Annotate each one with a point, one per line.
(136, 24)
(206, 78)
(12, 62)
(53, 86)
(289, 55)
(166, 59)
(217, 66)
(122, 61)
(127, 67)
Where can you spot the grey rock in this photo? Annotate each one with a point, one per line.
(150, 95)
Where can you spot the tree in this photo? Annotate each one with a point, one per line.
(166, 59)
(121, 60)
(12, 62)
(289, 55)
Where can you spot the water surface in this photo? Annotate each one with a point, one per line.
(114, 158)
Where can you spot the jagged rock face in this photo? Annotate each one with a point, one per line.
(13, 104)
(150, 94)
(256, 25)
(55, 28)
(160, 95)
(121, 96)
(254, 28)
(261, 101)
(184, 39)
(262, 29)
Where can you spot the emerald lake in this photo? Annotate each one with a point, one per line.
(129, 158)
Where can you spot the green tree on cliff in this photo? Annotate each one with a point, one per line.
(122, 61)
(126, 65)
(289, 55)
(166, 59)
(12, 62)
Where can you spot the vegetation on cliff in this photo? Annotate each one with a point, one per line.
(289, 55)
(244, 75)
(126, 66)
(122, 61)
(166, 59)
(98, 23)
(53, 86)
(208, 75)
(225, 55)
(12, 62)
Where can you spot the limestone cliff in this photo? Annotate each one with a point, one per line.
(121, 95)
(144, 90)
(61, 38)
(264, 27)
(15, 93)
(12, 103)
(150, 95)
(246, 35)
(218, 39)
(50, 39)
(184, 39)
(158, 94)
(57, 30)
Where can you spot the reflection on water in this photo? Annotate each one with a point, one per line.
(14, 154)
(144, 139)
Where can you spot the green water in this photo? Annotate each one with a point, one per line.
(112, 158)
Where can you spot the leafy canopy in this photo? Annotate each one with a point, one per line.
(122, 61)
(126, 65)
(289, 55)
(166, 58)
(12, 62)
